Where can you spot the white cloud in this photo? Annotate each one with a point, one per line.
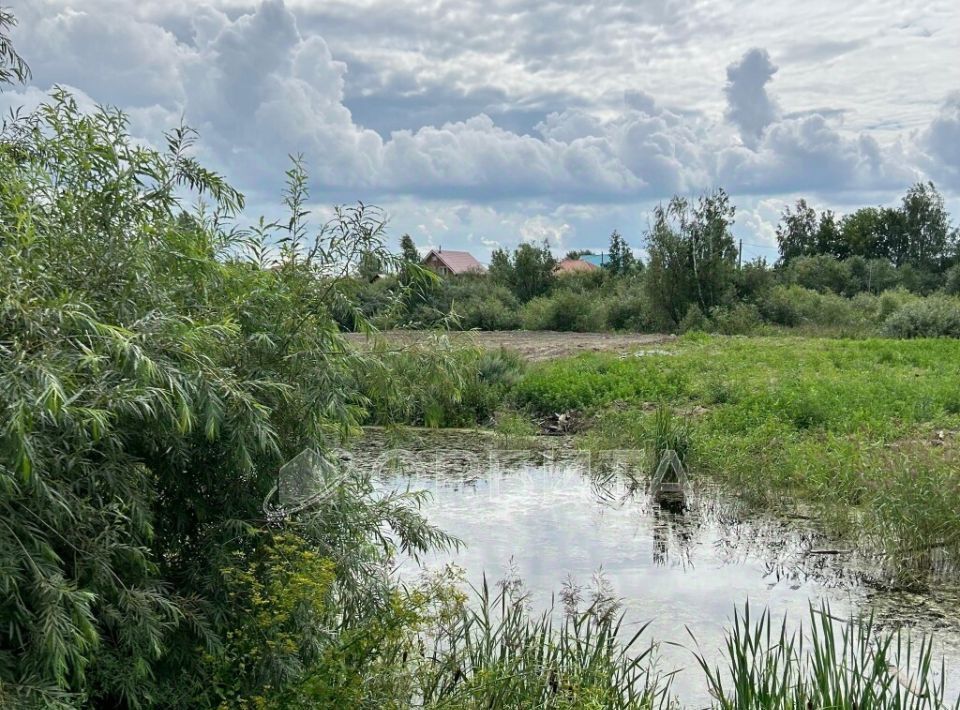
(749, 106)
(549, 109)
(940, 143)
(540, 228)
(808, 153)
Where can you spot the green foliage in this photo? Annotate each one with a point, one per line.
(622, 260)
(794, 306)
(279, 594)
(514, 429)
(624, 307)
(930, 242)
(738, 319)
(754, 280)
(869, 276)
(693, 263)
(952, 281)
(480, 303)
(802, 233)
(496, 312)
(933, 317)
(528, 273)
(408, 250)
(369, 267)
(497, 656)
(665, 431)
(694, 320)
(564, 310)
(820, 272)
(832, 663)
(156, 368)
(918, 233)
(437, 384)
(12, 67)
(692, 256)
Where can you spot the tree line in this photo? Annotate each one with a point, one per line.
(693, 275)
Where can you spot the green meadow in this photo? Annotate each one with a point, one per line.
(864, 430)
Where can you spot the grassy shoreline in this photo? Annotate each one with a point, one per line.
(861, 434)
(865, 430)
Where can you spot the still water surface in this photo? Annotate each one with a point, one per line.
(550, 518)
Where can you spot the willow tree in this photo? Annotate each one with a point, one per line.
(158, 365)
(692, 256)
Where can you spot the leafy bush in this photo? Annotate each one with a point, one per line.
(951, 283)
(739, 319)
(931, 317)
(821, 273)
(869, 275)
(564, 310)
(437, 384)
(528, 272)
(754, 280)
(625, 309)
(497, 372)
(156, 369)
(919, 280)
(497, 311)
(694, 320)
(280, 597)
(794, 306)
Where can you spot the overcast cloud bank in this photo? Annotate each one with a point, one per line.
(261, 82)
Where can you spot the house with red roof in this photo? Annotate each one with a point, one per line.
(573, 266)
(452, 262)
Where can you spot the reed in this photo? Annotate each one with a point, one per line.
(496, 654)
(848, 664)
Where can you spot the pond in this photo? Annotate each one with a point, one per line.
(557, 517)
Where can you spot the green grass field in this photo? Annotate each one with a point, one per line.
(864, 430)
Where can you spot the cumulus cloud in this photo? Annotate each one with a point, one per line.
(265, 82)
(749, 107)
(940, 143)
(479, 157)
(543, 228)
(808, 153)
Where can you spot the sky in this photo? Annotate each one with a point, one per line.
(482, 123)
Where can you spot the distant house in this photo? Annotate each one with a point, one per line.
(573, 266)
(452, 262)
(600, 259)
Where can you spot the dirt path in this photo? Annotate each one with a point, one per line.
(536, 345)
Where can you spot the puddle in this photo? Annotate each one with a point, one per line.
(553, 517)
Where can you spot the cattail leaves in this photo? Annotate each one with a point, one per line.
(830, 663)
(496, 653)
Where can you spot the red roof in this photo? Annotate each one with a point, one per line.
(569, 266)
(458, 262)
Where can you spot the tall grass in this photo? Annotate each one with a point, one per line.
(666, 431)
(436, 383)
(844, 664)
(496, 654)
